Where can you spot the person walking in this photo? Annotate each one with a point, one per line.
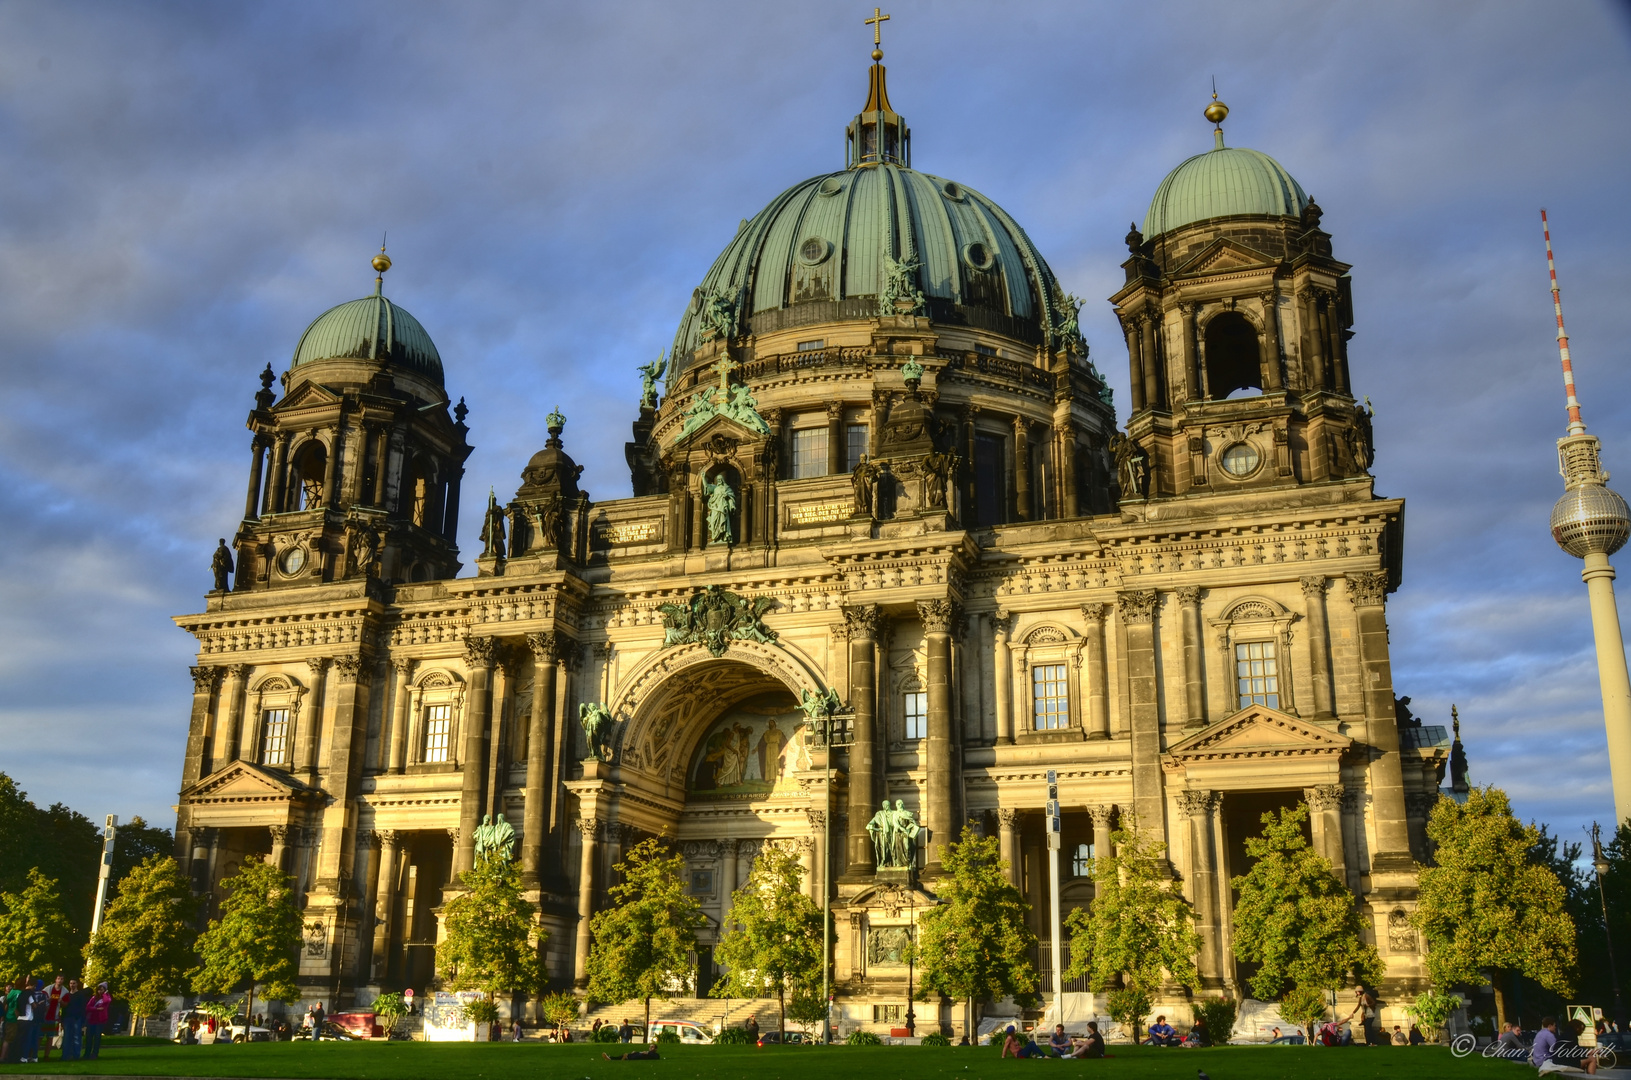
(625, 1031)
(73, 1020)
(96, 1020)
(753, 1030)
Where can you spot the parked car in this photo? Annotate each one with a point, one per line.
(785, 1038)
(237, 1032)
(360, 1023)
(689, 1032)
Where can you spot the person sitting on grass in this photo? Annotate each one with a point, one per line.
(1011, 1045)
(1161, 1033)
(1059, 1042)
(1090, 1047)
(1198, 1035)
(649, 1054)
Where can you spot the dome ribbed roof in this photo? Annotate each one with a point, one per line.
(817, 254)
(1223, 182)
(371, 328)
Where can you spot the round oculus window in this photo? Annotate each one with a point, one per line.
(978, 256)
(951, 191)
(1240, 460)
(293, 561)
(814, 251)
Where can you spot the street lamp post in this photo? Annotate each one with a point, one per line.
(911, 960)
(1599, 863)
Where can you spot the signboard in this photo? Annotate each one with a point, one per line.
(1587, 1015)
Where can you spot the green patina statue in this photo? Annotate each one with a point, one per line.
(649, 374)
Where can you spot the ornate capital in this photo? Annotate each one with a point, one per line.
(1353, 801)
(817, 818)
(388, 838)
(453, 835)
(205, 678)
(318, 665)
(937, 615)
(604, 650)
(1324, 797)
(348, 667)
(863, 620)
(1101, 816)
(1368, 589)
(1002, 623)
(1188, 595)
(590, 828)
(1007, 817)
(280, 833)
(403, 666)
(1313, 585)
(549, 646)
(239, 671)
(1095, 613)
(480, 651)
(1198, 803)
(839, 631)
(1420, 804)
(368, 838)
(1138, 606)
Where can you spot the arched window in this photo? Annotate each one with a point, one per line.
(305, 490)
(1081, 863)
(1233, 359)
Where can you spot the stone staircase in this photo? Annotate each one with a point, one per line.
(711, 1013)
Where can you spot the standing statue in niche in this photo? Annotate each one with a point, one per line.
(937, 468)
(597, 729)
(649, 374)
(1132, 466)
(862, 481)
(492, 529)
(721, 506)
(221, 564)
(894, 835)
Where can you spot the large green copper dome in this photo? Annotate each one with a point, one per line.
(1223, 182)
(818, 253)
(371, 328)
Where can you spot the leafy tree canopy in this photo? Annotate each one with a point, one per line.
(255, 940)
(60, 843)
(36, 938)
(643, 946)
(492, 940)
(774, 943)
(145, 946)
(1294, 917)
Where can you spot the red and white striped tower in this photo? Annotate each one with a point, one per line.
(1577, 426)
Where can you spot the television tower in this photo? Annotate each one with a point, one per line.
(1591, 522)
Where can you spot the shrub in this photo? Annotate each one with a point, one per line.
(1305, 1006)
(482, 1012)
(668, 1035)
(560, 1009)
(862, 1038)
(734, 1036)
(936, 1038)
(1432, 1010)
(1129, 1008)
(388, 1009)
(1220, 1019)
(606, 1034)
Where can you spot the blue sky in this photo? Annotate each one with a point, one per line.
(185, 186)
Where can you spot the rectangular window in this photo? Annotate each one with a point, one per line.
(809, 452)
(1049, 697)
(702, 882)
(812, 346)
(886, 1014)
(275, 737)
(1081, 863)
(985, 350)
(856, 439)
(1257, 674)
(990, 480)
(916, 711)
(438, 732)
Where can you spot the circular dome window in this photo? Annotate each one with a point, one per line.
(696, 300)
(831, 186)
(1240, 460)
(814, 251)
(978, 256)
(951, 191)
(293, 561)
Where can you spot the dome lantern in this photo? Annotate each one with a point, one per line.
(878, 135)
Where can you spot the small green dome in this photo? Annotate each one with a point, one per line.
(1223, 182)
(371, 328)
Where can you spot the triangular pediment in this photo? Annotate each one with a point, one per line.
(1224, 254)
(723, 426)
(308, 394)
(1257, 732)
(243, 781)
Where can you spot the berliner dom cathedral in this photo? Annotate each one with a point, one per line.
(892, 542)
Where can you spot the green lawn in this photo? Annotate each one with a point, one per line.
(580, 1061)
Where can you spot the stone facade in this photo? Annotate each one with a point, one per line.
(1002, 586)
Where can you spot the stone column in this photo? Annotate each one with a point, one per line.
(450, 513)
(546, 649)
(278, 477)
(1068, 483)
(257, 449)
(1319, 647)
(311, 730)
(589, 829)
(206, 679)
(385, 901)
(1101, 828)
(330, 463)
(822, 858)
(940, 794)
(203, 855)
(382, 457)
(835, 437)
(1318, 372)
(1144, 708)
(501, 731)
(480, 653)
(1194, 370)
(232, 696)
(1189, 601)
(280, 838)
(1135, 361)
(1271, 338)
(1098, 679)
(1325, 822)
(727, 884)
(1008, 842)
(347, 741)
(396, 746)
(1367, 592)
(1003, 674)
(863, 623)
(1152, 363)
(807, 848)
(1023, 510)
(1200, 807)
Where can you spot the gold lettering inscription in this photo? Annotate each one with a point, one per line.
(815, 513)
(632, 532)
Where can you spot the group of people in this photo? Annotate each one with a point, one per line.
(1558, 1047)
(64, 1015)
(1059, 1045)
(1163, 1034)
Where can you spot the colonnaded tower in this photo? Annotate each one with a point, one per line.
(885, 467)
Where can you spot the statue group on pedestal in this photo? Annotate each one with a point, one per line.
(494, 838)
(894, 835)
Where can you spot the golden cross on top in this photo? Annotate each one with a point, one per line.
(876, 22)
(725, 366)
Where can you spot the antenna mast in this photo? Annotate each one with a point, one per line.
(1577, 426)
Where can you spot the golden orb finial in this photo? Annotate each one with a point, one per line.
(877, 54)
(1216, 111)
(382, 261)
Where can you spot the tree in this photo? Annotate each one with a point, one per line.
(1432, 1010)
(492, 941)
(643, 946)
(775, 942)
(807, 1008)
(256, 938)
(974, 945)
(559, 1009)
(1488, 906)
(60, 843)
(1139, 929)
(36, 938)
(145, 945)
(134, 844)
(1304, 1005)
(1294, 918)
(389, 1008)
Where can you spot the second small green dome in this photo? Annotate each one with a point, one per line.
(370, 328)
(1223, 182)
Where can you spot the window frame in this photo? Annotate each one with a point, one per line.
(272, 691)
(433, 688)
(285, 757)
(1247, 620)
(1049, 644)
(819, 461)
(908, 698)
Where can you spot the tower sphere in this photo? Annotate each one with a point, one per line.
(1591, 518)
